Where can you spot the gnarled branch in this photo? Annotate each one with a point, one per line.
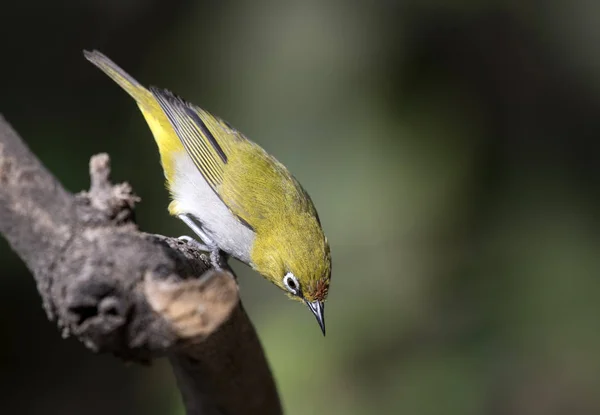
(137, 295)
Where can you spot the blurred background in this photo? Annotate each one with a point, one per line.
(451, 148)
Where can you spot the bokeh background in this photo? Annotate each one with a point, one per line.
(451, 148)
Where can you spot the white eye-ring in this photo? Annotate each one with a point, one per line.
(291, 283)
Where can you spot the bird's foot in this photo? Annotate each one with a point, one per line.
(195, 243)
(216, 256)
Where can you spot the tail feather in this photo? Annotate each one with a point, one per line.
(125, 81)
(165, 136)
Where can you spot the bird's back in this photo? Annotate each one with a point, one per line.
(256, 187)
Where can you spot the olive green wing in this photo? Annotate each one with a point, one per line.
(216, 148)
(205, 138)
(265, 193)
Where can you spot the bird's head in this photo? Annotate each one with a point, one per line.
(297, 259)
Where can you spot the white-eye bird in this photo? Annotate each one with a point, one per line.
(237, 198)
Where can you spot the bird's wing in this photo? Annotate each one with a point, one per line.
(211, 144)
(204, 137)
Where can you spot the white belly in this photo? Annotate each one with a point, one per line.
(196, 197)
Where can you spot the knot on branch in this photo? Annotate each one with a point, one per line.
(194, 308)
(111, 203)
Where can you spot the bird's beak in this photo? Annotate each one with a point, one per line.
(318, 307)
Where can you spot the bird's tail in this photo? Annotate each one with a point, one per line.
(125, 81)
(166, 138)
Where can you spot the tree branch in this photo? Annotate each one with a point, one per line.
(136, 295)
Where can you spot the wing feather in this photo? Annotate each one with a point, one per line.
(195, 134)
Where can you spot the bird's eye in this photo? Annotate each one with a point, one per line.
(291, 283)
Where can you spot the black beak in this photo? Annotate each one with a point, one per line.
(318, 309)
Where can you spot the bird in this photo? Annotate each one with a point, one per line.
(239, 200)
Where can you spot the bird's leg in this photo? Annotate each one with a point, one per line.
(208, 246)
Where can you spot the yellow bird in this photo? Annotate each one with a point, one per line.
(237, 198)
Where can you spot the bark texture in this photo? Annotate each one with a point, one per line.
(136, 295)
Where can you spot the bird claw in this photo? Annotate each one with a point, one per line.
(195, 243)
(216, 258)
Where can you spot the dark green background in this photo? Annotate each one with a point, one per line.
(451, 148)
